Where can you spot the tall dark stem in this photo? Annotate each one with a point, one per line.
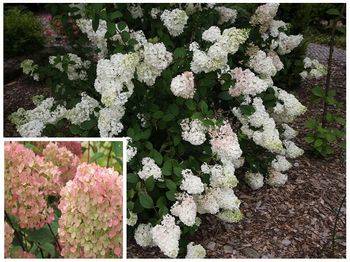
(336, 223)
(109, 154)
(330, 62)
(55, 237)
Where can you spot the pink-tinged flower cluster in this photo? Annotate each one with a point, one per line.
(224, 143)
(9, 234)
(65, 160)
(91, 206)
(29, 180)
(74, 147)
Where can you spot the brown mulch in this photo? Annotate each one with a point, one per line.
(294, 221)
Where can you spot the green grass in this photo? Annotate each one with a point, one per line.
(314, 36)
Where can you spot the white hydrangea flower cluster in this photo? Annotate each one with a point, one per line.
(183, 85)
(143, 235)
(135, 10)
(132, 220)
(155, 59)
(98, 37)
(247, 83)
(174, 20)
(131, 151)
(150, 168)
(264, 65)
(224, 143)
(267, 134)
(226, 14)
(314, 69)
(254, 180)
(195, 251)
(215, 199)
(191, 183)
(167, 235)
(193, 131)
(216, 56)
(289, 109)
(212, 34)
(221, 176)
(81, 111)
(30, 68)
(31, 123)
(281, 164)
(276, 178)
(75, 66)
(264, 18)
(186, 209)
(285, 44)
(155, 12)
(264, 15)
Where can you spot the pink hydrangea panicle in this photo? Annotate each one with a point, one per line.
(64, 159)
(29, 180)
(91, 205)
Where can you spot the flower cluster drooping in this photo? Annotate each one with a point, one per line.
(91, 206)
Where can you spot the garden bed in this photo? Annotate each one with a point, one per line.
(297, 220)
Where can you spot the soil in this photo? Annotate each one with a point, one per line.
(296, 220)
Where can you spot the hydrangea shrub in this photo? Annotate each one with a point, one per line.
(192, 87)
(63, 204)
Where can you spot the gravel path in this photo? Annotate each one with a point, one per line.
(297, 220)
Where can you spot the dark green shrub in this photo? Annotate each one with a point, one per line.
(22, 32)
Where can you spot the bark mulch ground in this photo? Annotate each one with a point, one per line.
(294, 221)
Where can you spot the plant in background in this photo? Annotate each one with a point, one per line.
(329, 129)
(22, 32)
(192, 86)
(58, 204)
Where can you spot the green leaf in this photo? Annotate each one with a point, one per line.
(311, 124)
(176, 140)
(161, 202)
(75, 130)
(121, 25)
(180, 52)
(318, 91)
(95, 22)
(225, 96)
(42, 235)
(125, 36)
(156, 156)
(203, 106)
(115, 14)
(170, 195)
(309, 139)
(145, 200)
(247, 110)
(167, 168)
(133, 178)
(149, 183)
(171, 185)
(96, 156)
(318, 143)
(333, 12)
(158, 114)
(190, 105)
(49, 248)
(148, 145)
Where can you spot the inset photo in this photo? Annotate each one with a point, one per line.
(63, 199)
